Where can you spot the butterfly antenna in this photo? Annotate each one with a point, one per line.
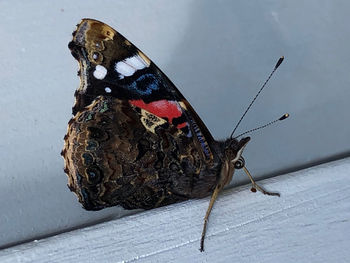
(285, 116)
(279, 62)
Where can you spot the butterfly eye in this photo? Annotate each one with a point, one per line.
(239, 164)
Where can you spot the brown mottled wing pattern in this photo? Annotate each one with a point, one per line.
(112, 159)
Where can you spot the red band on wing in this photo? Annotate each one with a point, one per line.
(162, 108)
(182, 125)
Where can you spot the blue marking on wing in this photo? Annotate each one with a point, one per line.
(200, 137)
(145, 84)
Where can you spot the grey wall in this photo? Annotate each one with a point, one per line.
(218, 53)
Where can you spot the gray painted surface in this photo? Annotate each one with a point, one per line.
(217, 53)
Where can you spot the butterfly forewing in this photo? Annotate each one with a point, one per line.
(134, 140)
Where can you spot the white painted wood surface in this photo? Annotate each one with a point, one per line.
(308, 223)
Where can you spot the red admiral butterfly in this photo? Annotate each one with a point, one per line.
(134, 140)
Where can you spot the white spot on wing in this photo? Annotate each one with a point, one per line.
(136, 62)
(100, 72)
(129, 66)
(108, 89)
(124, 69)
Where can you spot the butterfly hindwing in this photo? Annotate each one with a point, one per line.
(113, 159)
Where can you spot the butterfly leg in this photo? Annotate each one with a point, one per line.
(256, 186)
(206, 218)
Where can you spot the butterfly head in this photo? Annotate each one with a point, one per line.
(232, 159)
(233, 151)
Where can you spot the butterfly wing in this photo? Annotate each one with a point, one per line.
(111, 65)
(111, 158)
(134, 140)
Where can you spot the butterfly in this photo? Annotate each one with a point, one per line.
(134, 140)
